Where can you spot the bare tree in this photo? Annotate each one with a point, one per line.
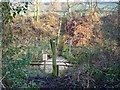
(70, 5)
(54, 6)
(36, 10)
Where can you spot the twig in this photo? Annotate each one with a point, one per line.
(3, 78)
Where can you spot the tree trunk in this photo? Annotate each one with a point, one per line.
(61, 38)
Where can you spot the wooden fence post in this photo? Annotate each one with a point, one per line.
(53, 48)
(57, 70)
(44, 57)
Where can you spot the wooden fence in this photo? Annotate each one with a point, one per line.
(45, 63)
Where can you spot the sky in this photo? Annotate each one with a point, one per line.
(62, 0)
(80, 0)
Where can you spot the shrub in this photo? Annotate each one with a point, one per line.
(17, 66)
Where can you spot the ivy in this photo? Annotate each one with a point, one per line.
(15, 61)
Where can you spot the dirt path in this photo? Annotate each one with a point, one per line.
(48, 81)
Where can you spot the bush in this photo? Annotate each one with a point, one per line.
(109, 77)
(36, 51)
(17, 66)
(100, 64)
(81, 54)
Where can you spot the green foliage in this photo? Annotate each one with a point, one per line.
(36, 50)
(65, 51)
(109, 74)
(14, 59)
(100, 62)
(80, 54)
(9, 12)
(32, 85)
(16, 66)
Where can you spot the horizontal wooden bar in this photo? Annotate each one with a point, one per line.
(51, 61)
(48, 64)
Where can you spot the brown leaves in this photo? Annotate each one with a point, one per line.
(84, 29)
(26, 28)
(83, 33)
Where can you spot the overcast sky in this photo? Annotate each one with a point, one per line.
(63, 0)
(78, 0)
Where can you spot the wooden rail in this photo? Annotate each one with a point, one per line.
(39, 63)
(49, 61)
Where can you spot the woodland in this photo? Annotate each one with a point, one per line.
(88, 40)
